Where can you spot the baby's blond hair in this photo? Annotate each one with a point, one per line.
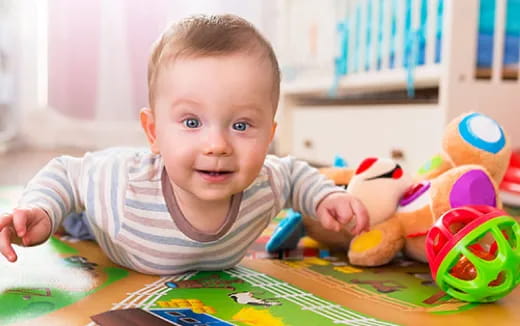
(209, 36)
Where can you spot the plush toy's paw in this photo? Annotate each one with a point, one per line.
(475, 138)
(471, 138)
(377, 246)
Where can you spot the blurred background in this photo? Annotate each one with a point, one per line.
(360, 77)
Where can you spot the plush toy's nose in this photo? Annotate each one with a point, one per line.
(473, 188)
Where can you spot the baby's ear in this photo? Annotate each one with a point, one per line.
(147, 118)
(273, 130)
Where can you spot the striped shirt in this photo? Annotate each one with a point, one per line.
(134, 217)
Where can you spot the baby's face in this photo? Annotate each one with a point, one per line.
(214, 123)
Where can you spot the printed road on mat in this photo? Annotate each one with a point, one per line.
(238, 296)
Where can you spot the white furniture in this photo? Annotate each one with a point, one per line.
(316, 132)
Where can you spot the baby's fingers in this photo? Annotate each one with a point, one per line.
(362, 218)
(6, 248)
(344, 214)
(5, 220)
(20, 222)
(330, 223)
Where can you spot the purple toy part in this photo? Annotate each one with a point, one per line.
(414, 192)
(473, 188)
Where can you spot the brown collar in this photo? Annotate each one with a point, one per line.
(185, 226)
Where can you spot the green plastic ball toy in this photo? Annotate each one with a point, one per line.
(474, 253)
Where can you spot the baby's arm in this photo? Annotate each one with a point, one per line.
(298, 185)
(310, 192)
(48, 198)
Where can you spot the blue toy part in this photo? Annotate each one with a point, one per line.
(184, 317)
(482, 132)
(171, 285)
(339, 162)
(324, 253)
(287, 234)
(340, 62)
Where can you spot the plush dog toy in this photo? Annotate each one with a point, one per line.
(378, 183)
(474, 157)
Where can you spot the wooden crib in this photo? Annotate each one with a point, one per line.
(386, 104)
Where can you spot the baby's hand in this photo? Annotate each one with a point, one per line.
(338, 209)
(27, 227)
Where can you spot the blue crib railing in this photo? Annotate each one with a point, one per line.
(358, 43)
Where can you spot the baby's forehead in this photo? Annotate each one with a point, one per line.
(241, 67)
(195, 71)
(257, 55)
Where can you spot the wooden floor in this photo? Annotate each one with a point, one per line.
(18, 165)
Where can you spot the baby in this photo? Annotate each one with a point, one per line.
(207, 188)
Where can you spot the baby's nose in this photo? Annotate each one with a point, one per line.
(218, 145)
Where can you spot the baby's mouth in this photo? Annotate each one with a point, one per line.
(214, 173)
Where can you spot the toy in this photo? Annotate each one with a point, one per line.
(475, 154)
(478, 151)
(287, 234)
(370, 177)
(418, 209)
(474, 253)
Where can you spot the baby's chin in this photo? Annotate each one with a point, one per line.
(215, 195)
(214, 198)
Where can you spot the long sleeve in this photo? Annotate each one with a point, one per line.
(298, 185)
(56, 189)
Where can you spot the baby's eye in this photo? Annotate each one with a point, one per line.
(240, 126)
(191, 123)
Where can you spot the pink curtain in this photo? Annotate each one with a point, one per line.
(98, 50)
(74, 52)
(145, 26)
(73, 43)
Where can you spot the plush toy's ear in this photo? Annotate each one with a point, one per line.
(340, 175)
(377, 246)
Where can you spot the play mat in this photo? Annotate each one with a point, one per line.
(71, 282)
